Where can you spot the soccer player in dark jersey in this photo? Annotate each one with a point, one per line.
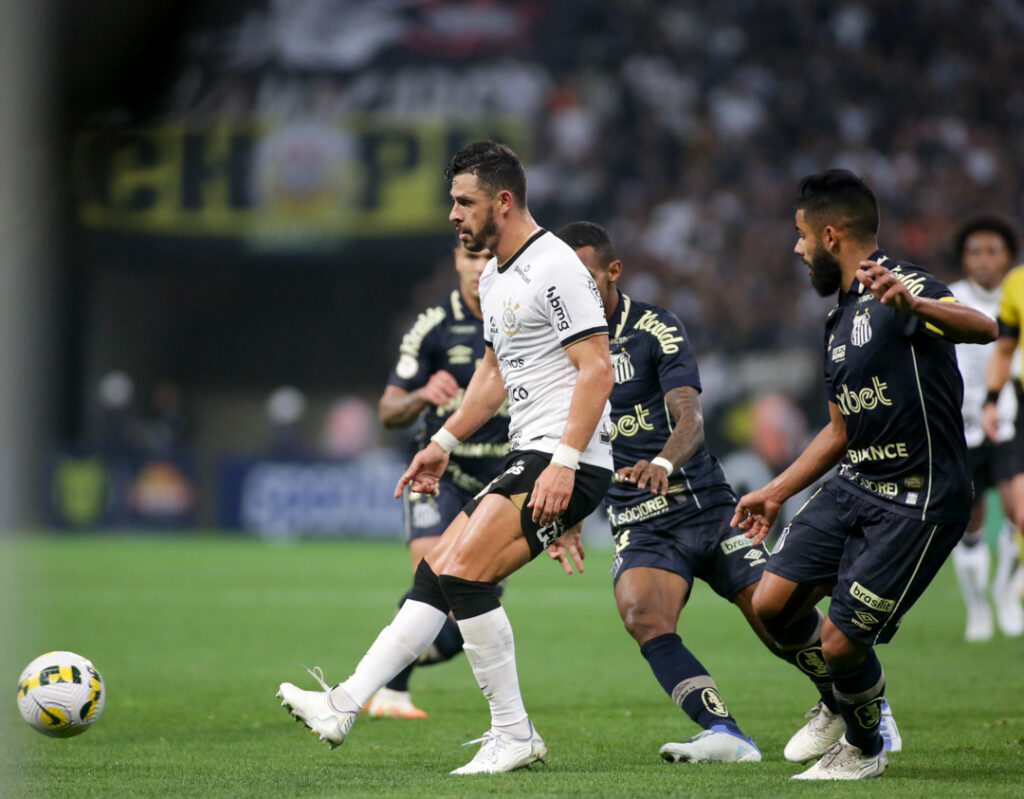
(437, 358)
(670, 509)
(875, 534)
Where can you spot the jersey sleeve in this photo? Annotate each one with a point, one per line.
(416, 353)
(924, 284)
(1010, 302)
(571, 301)
(676, 361)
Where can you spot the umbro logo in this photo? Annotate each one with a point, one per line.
(865, 618)
(755, 557)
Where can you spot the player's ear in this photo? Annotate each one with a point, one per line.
(505, 200)
(830, 237)
(614, 271)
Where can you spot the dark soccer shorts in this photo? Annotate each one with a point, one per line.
(521, 471)
(877, 562)
(991, 464)
(430, 514)
(703, 546)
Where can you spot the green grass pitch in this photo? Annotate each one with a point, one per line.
(193, 635)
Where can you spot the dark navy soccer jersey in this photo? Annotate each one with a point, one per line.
(449, 337)
(896, 382)
(651, 355)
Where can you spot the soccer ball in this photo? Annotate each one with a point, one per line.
(61, 694)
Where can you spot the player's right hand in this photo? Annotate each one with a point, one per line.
(990, 421)
(569, 545)
(425, 470)
(440, 389)
(755, 514)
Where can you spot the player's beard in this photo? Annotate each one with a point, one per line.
(826, 272)
(487, 238)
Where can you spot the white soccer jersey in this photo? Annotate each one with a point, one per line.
(541, 301)
(973, 360)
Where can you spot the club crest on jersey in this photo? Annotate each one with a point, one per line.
(861, 333)
(509, 321)
(622, 364)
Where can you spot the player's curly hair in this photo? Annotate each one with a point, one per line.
(589, 234)
(838, 197)
(988, 223)
(495, 166)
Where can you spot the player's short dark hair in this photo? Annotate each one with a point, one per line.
(589, 234)
(989, 223)
(495, 166)
(840, 198)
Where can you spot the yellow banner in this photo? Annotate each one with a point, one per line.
(362, 176)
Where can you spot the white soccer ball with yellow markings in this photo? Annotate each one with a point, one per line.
(61, 694)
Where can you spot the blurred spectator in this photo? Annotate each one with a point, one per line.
(286, 407)
(168, 428)
(350, 428)
(114, 428)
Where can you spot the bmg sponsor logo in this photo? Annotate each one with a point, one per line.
(563, 321)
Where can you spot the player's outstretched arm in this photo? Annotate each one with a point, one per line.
(551, 492)
(400, 408)
(996, 377)
(957, 322)
(687, 435)
(757, 511)
(484, 395)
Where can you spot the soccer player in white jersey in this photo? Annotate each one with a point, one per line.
(987, 246)
(547, 352)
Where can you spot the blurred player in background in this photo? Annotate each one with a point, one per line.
(1001, 366)
(438, 356)
(547, 356)
(875, 535)
(670, 509)
(986, 247)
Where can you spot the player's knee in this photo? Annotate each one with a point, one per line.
(644, 623)
(840, 651)
(768, 608)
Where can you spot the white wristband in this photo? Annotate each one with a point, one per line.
(445, 440)
(564, 455)
(664, 463)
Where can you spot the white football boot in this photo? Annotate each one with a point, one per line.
(390, 704)
(890, 732)
(717, 745)
(329, 713)
(817, 736)
(501, 752)
(844, 761)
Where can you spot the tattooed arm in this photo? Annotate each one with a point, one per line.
(684, 405)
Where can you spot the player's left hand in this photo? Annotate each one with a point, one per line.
(886, 287)
(551, 492)
(644, 473)
(569, 545)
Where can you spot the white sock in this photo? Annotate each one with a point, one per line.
(971, 564)
(1006, 559)
(491, 652)
(413, 629)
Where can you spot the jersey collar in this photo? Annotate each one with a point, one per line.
(857, 288)
(533, 237)
(619, 315)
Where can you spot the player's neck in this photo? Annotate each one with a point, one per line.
(850, 261)
(517, 230)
